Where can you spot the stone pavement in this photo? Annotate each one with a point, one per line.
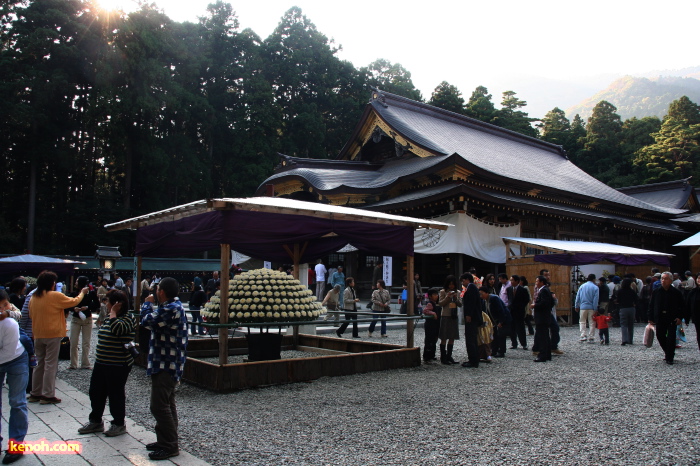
(61, 422)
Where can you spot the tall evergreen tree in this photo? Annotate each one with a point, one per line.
(480, 105)
(392, 78)
(555, 127)
(675, 153)
(601, 156)
(447, 97)
(511, 117)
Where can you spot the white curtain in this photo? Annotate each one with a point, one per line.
(468, 236)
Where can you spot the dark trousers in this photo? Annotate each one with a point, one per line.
(432, 330)
(528, 322)
(543, 341)
(163, 410)
(470, 333)
(499, 340)
(604, 334)
(518, 330)
(666, 335)
(108, 382)
(554, 331)
(344, 326)
(697, 332)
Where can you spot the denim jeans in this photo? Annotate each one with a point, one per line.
(627, 315)
(17, 372)
(381, 316)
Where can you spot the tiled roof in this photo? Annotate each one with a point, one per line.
(538, 204)
(497, 150)
(336, 173)
(672, 194)
(414, 196)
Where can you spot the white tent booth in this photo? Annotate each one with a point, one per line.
(566, 261)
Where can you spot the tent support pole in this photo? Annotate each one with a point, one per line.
(223, 306)
(697, 251)
(410, 324)
(139, 291)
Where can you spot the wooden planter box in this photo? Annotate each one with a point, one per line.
(336, 356)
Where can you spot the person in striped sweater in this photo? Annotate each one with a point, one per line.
(112, 367)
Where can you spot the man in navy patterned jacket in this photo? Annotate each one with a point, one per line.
(166, 359)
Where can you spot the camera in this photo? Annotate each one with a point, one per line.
(131, 348)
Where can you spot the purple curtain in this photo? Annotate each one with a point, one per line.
(263, 235)
(581, 258)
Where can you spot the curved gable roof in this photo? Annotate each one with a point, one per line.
(497, 150)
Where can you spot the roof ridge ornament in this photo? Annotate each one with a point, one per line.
(379, 96)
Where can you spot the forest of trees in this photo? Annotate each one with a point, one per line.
(108, 117)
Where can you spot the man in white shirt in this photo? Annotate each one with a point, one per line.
(13, 364)
(321, 271)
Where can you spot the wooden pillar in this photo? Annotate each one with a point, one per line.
(296, 253)
(223, 303)
(139, 290)
(410, 324)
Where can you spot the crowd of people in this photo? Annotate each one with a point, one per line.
(663, 300)
(33, 324)
(494, 309)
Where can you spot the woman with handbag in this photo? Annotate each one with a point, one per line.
(350, 301)
(381, 304)
(450, 301)
(332, 303)
(113, 363)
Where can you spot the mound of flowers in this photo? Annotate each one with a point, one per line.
(264, 295)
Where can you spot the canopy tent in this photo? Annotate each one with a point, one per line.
(583, 252)
(266, 227)
(36, 264)
(693, 241)
(273, 229)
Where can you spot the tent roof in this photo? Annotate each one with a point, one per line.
(692, 241)
(268, 228)
(583, 252)
(273, 205)
(573, 247)
(31, 262)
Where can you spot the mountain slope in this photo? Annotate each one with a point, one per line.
(640, 97)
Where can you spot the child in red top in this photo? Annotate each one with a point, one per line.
(601, 321)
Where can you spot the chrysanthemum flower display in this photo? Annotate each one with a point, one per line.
(248, 291)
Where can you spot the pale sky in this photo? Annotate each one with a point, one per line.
(492, 43)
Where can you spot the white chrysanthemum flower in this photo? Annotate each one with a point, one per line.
(268, 315)
(248, 301)
(256, 300)
(276, 315)
(231, 314)
(284, 315)
(268, 308)
(275, 307)
(297, 314)
(283, 307)
(239, 315)
(254, 314)
(303, 313)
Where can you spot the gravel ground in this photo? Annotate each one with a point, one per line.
(593, 405)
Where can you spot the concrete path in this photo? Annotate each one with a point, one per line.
(61, 422)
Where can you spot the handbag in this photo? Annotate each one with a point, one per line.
(64, 349)
(649, 335)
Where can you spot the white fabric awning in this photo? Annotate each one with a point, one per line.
(469, 236)
(572, 247)
(692, 241)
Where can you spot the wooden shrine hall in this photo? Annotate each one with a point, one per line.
(409, 158)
